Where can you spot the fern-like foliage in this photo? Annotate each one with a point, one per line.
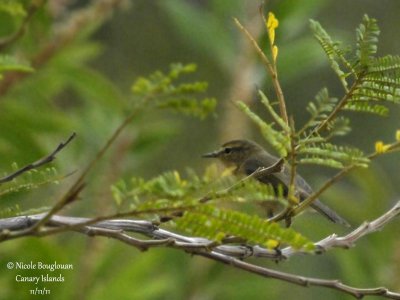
(339, 126)
(27, 182)
(167, 91)
(370, 84)
(32, 179)
(335, 53)
(332, 155)
(361, 106)
(320, 109)
(216, 224)
(367, 39)
(376, 79)
(201, 197)
(170, 188)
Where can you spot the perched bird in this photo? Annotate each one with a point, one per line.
(248, 157)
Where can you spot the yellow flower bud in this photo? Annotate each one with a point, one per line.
(271, 244)
(274, 52)
(398, 135)
(271, 34)
(380, 147)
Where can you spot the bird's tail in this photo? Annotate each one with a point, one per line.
(329, 213)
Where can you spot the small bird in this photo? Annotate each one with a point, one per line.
(248, 157)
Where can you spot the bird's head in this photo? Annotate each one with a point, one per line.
(235, 152)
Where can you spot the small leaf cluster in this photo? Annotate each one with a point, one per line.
(26, 182)
(32, 179)
(277, 137)
(168, 92)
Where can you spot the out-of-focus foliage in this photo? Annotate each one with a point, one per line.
(182, 97)
(32, 179)
(9, 63)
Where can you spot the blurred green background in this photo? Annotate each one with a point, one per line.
(85, 87)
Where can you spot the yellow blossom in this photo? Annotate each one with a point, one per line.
(272, 24)
(380, 147)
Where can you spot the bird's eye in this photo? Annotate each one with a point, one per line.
(227, 150)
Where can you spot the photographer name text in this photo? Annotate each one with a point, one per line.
(39, 266)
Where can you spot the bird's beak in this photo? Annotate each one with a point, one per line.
(211, 154)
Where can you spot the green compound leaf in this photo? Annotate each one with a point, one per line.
(217, 223)
(360, 106)
(367, 39)
(332, 155)
(170, 93)
(333, 51)
(319, 109)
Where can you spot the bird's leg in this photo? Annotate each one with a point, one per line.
(288, 221)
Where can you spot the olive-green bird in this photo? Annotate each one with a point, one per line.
(248, 157)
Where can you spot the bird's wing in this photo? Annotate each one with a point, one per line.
(283, 178)
(277, 178)
(253, 164)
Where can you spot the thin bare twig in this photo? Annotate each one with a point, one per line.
(301, 280)
(45, 160)
(271, 70)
